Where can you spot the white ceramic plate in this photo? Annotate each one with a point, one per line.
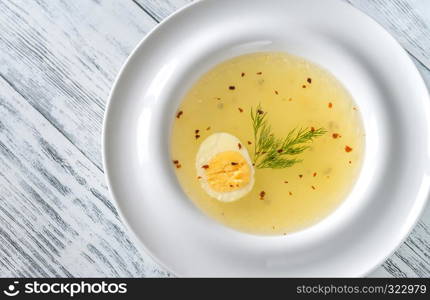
(391, 190)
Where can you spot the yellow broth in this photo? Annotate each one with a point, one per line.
(295, 93)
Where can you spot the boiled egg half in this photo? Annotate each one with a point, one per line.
(224, 167)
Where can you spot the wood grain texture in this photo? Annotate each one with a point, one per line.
(56, 217)
(63, 57)
(58, 60)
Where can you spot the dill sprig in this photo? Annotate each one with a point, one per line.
(272, 152)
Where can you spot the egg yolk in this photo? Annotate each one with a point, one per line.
(227, 171)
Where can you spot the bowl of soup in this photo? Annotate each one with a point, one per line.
(268, 138)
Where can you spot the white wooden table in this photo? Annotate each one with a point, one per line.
(58, 60)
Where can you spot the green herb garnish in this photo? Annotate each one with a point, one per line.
(272, 152)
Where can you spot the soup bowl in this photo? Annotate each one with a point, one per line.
(365, 229)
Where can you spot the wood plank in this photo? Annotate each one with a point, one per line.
(159, 10)
(56, 218)
(63, 57)
(408, 21)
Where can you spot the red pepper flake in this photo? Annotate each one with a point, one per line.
(178, 166)
(218, 98)
(208, 128)
(314, 174)
(304, 86)
(330, 105)
(249, 143)
(199, 177)
(289, 193)
(176, 162)
(234, 163)
(197, 136)
(240, 109)
(243, 74)
(262, 194)
(309, 80)
(205, 167)
(285, 181)
(312, 129)
(231, 87)
(260, 112)
(350, 162)
(179, 114)
(276, 92)
(280, 151)
(335, 135)
(348, 149)
(313, 187)
(196, 131)
(301, 176)
(259, 73)
(239, 145)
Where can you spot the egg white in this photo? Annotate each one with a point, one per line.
(210, 147)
